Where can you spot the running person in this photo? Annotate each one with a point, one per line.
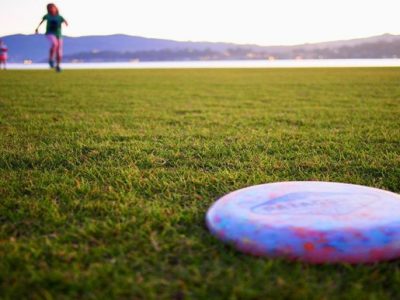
(3, 55)
(53, 34)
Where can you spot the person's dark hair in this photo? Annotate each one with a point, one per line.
(50, 5)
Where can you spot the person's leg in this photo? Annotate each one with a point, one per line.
(53, 45)
(59, 53)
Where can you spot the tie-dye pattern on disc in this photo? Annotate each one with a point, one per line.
(317, 222)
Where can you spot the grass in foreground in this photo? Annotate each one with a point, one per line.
(105, 177)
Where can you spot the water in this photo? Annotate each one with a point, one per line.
(309, 63)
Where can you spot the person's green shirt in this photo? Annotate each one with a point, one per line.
(54, 24)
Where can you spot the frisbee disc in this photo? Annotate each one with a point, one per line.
(318, 222)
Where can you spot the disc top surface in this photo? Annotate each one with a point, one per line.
(311, 221)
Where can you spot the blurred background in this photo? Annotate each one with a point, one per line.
(178, 30)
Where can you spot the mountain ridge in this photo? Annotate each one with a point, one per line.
(34, 47)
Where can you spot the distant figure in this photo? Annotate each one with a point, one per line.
(53, 34)
(3, 55)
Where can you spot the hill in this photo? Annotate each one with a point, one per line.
(124, 48)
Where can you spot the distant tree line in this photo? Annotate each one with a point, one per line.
(366, 50)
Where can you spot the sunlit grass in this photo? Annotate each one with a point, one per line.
(105, 177)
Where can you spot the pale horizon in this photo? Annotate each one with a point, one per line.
(241, 22)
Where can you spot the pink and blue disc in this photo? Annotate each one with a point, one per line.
(317, 222)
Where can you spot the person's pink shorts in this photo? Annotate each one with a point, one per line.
(55, 42)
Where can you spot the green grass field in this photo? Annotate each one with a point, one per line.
(106, 176)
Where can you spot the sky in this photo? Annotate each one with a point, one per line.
(263, 22)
